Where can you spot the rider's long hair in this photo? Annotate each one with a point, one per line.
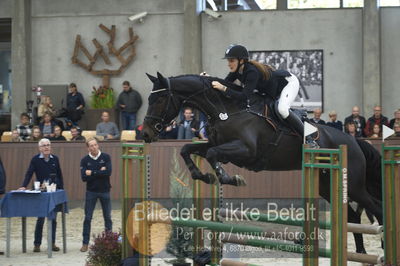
(266, 70)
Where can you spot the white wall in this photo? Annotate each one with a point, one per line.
(337, 32)
(390, 59)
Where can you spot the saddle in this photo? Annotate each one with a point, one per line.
(274, 118)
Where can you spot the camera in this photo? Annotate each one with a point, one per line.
(212, 13)
(138, 17)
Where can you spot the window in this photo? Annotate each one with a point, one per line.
(5, 66)
(5, 80)
(242, 4)
(299, 4)
(353, 3)
(389, 3)
(293, 4)
(266, 4)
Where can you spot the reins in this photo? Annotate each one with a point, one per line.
(161, 122)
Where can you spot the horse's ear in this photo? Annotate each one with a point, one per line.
(152, 78)
(162, 80)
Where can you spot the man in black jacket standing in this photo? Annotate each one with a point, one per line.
(75, 104)
(129, 102)
(96, 171)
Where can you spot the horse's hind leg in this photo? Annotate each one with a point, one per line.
(369, 203)
(201, 150)
(226, 153)
(354, 216)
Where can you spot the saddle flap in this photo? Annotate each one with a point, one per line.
(278, 121)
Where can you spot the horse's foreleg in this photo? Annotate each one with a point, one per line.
(225, 153)
(201, 150)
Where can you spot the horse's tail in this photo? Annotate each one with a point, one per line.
(373, 169)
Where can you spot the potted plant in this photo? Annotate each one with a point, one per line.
(180, 193)
(106, 250)
(102, 99)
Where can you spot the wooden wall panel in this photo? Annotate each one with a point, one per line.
(16, 158)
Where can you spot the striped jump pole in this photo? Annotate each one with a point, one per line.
(225, 262)
(135, 182)
(216, 252)
(369, 229)
(198, 240)
(297, 248)
(391, 203)
(315, 160)
(198, 201)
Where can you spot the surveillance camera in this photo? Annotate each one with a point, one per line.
(212, 13)
(138, 17)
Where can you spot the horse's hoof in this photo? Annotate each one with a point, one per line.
(239, 181)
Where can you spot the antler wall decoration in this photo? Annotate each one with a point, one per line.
(106, 73)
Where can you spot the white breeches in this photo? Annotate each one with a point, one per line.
(288, 95)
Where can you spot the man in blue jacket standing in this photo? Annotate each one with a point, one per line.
(46, 166)
(96, 172)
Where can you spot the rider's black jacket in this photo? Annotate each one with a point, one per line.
(255, 87)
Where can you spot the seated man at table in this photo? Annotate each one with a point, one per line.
(106, 128)
(46, 166)
(96, 171)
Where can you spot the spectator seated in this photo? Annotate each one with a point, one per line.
(189, 127)
(107, 129)
(25, 128)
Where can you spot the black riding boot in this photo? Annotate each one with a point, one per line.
(296, 123)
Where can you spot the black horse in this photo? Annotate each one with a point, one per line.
(246, 139)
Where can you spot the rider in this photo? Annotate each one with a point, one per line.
(256, 78)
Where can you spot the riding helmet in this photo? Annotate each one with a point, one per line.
(236, 51)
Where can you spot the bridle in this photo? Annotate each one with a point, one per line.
(160, 121)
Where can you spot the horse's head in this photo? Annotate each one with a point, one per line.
(163, 108)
